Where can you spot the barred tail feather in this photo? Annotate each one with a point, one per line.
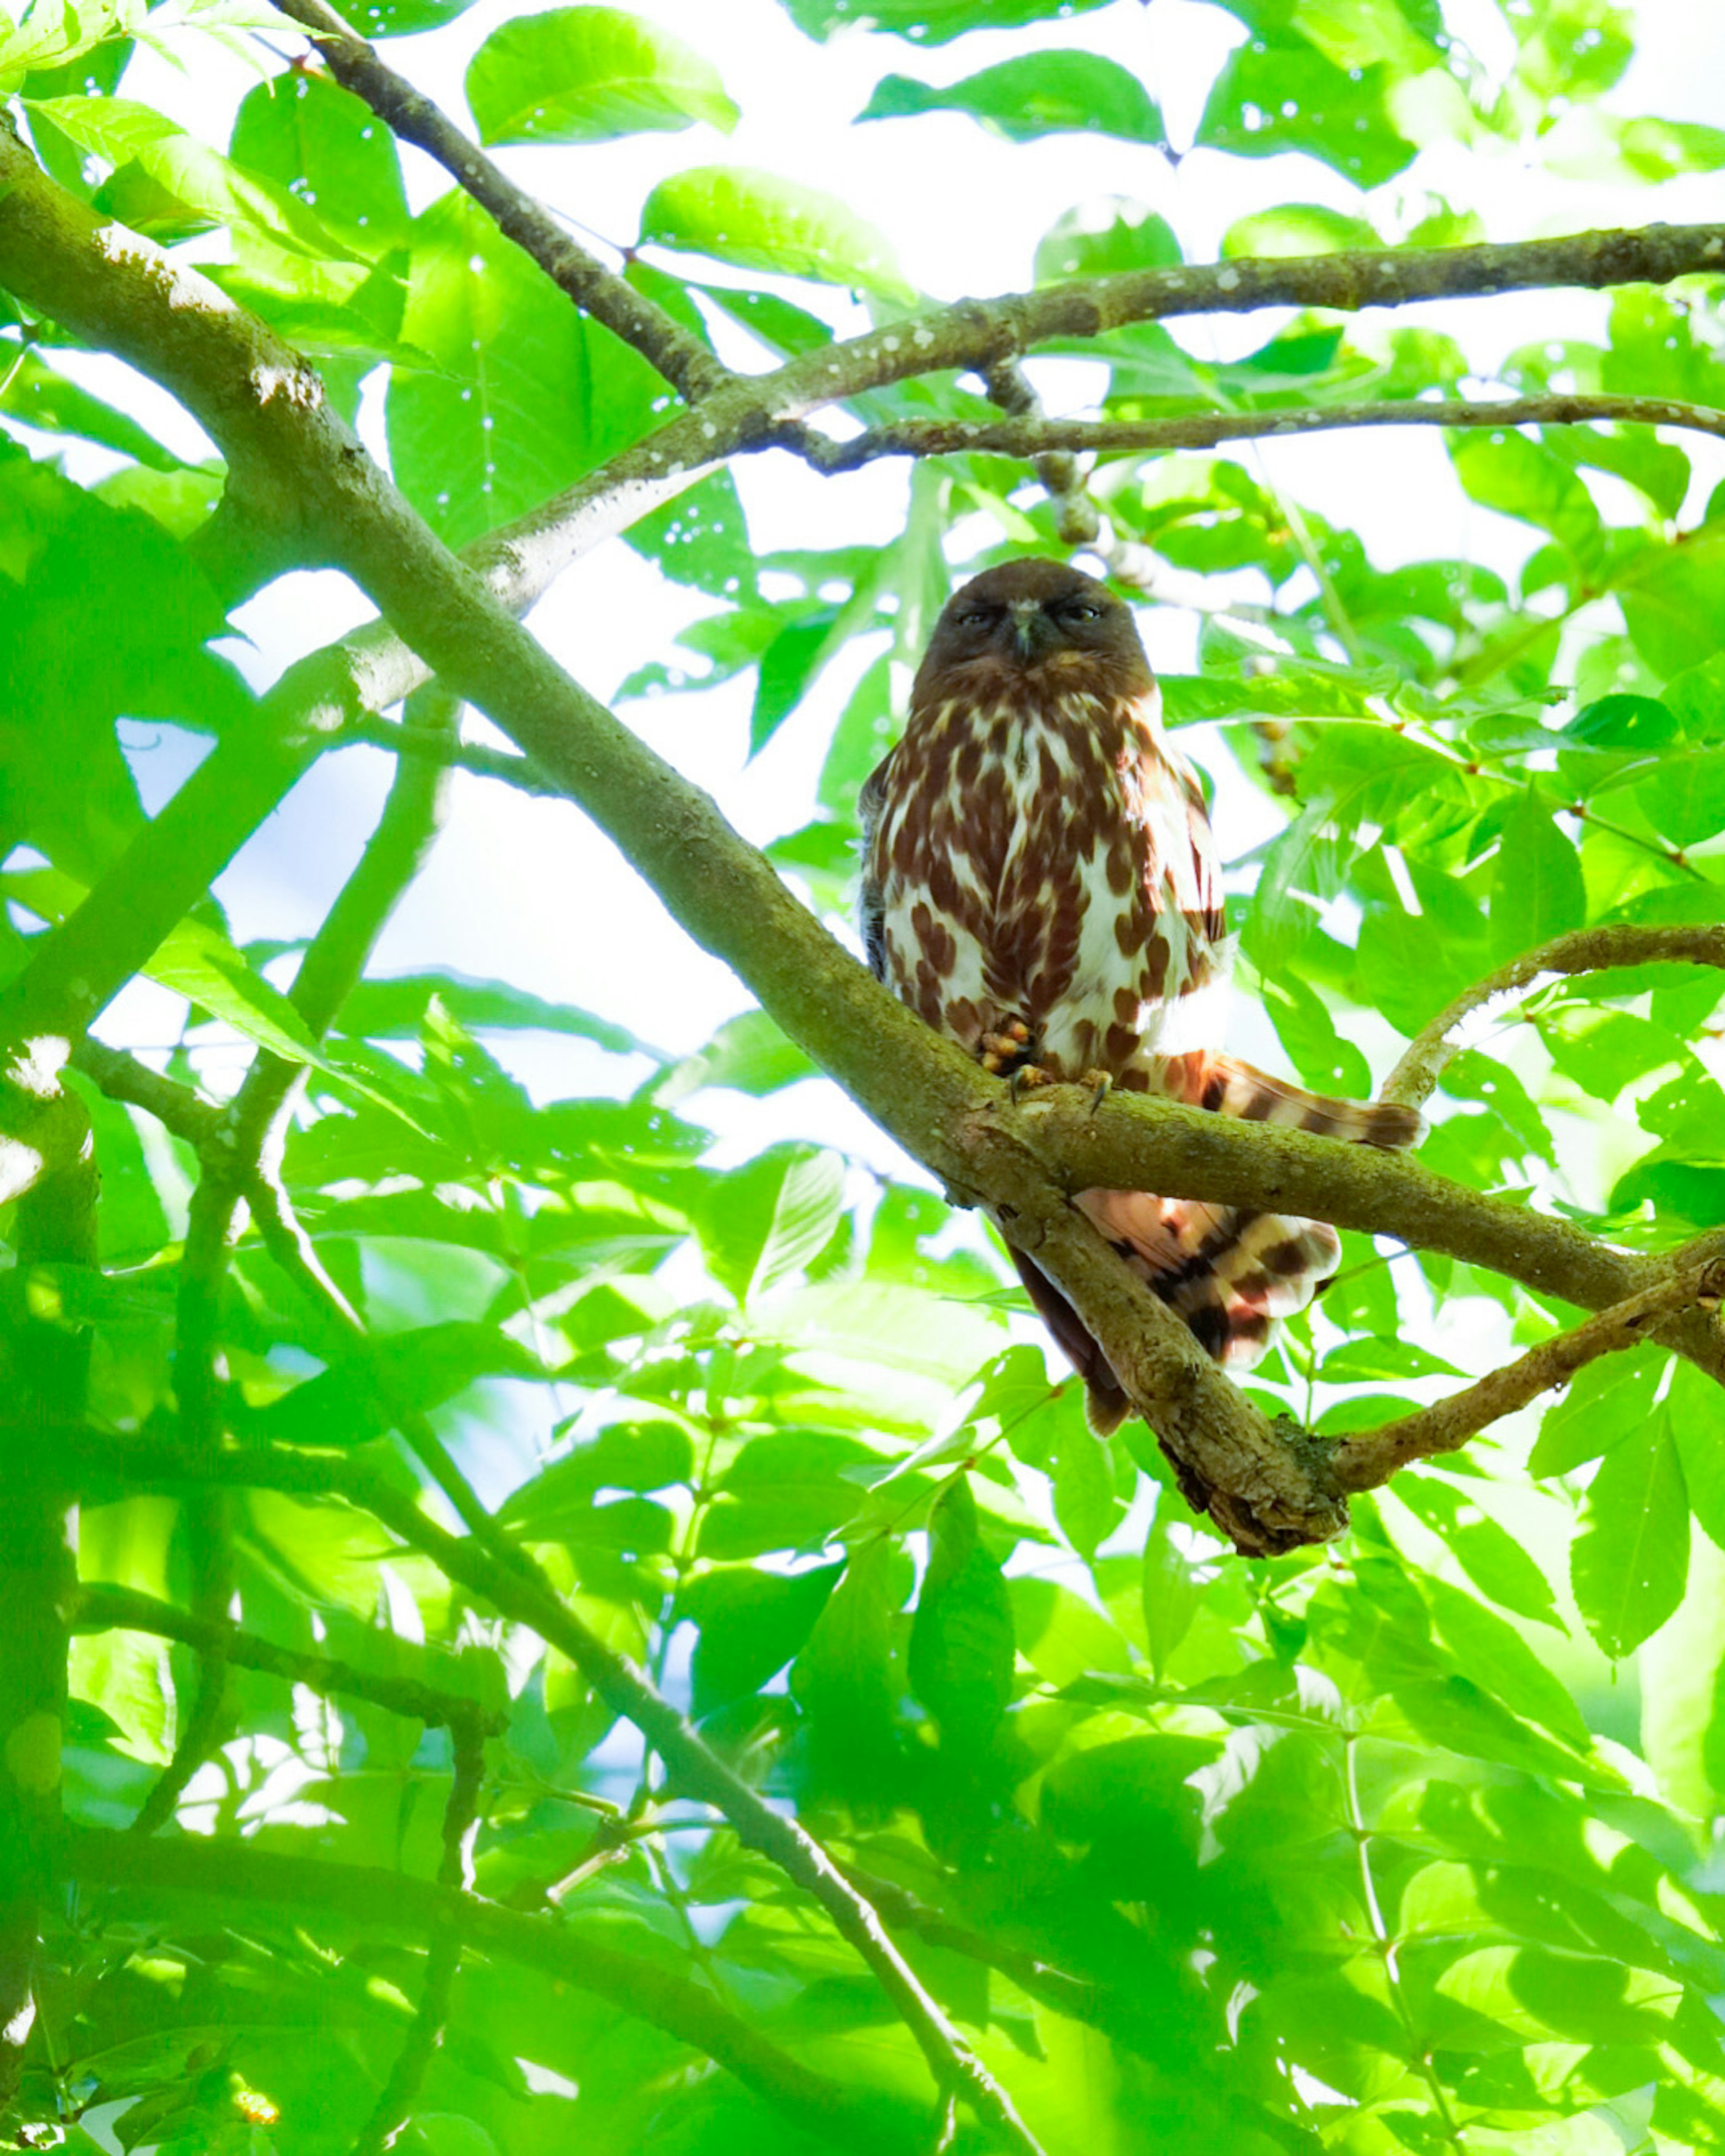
(1230, 1087)
(1229, 1272)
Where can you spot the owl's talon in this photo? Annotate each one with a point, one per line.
(1100, 1084)
(1027, 1078)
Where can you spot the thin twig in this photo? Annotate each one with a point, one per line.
(1040, 438)
(664, 343)
(510, 765)
(443, 1959)
(1585, 951)
(105, 1608)
(1368, 1457)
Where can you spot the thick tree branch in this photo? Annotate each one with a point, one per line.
(1133, 1144)
(1267, 1491)
(211, 359)
(1042, 439)
(664, 344)
(1371, 1456)
(356, 1896)
(722, 891)
(1586, 951)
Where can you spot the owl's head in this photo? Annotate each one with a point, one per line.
(1037, 618)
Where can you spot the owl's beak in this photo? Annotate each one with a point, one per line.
(1031, 626)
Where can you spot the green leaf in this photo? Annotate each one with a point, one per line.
(1489, 1554)
(748, 1053)
(750, 1624)
(309, 135)
(417, 1370)
(844, 1679)
(1632, 722)
(1085, 1500)
(758, 221)
(588, 75)
(1039, 94)
(700, 537)
(522, 394)
(1508, 472)
(789, 666)
(1110, 233)
(1694, 1411)
(1272, 98)
(167, 184)
(1369, 1362)
(1497, 1656)
(1538, 891)
(1631, 1552)
(558, 1502)
(961, 1654)
(1607, 1400)
(40, 396)
(1296, 228)
(930, 22)
(761, 1224)
(401, 19)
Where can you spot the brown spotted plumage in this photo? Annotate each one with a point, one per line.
(1040, 883)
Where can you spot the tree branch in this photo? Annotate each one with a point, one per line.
(1040, 438)
(664, 343)
(1586, 951)
(209, 352)
(921, 1088)
(102, 1608)
(509, 1580)
(1132, 1142)
(1368, 1457)
(443, 1961)
(237, 1873)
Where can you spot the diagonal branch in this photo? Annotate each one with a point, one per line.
(1368, 1457)
(1043, 439)
(724, 893)
(664, 343)
(238, 1874)
(514, 1585)
(1586, 951)
(280, 479)
(105, 1608)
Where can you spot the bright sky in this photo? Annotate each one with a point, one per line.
(525, 888)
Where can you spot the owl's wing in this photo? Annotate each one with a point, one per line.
(871, 901)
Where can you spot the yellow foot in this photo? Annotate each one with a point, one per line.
(1002, 1052)
(1028, 1077)
(1099, 1086)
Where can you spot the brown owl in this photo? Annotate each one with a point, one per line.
(1040, 883)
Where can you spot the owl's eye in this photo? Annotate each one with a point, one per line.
(974, 617)
(1084, 611)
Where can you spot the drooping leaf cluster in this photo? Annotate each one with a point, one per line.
(1403, 1846)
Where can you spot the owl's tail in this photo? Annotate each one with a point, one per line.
(1231, 1273)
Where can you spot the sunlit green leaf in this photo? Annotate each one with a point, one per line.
(587, 74)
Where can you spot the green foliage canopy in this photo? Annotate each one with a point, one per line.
(1398, 1844)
